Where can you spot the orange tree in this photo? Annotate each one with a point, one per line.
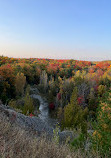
(7, 79)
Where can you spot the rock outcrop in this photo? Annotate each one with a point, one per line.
(31, 124)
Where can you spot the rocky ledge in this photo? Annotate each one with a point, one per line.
(31, 124)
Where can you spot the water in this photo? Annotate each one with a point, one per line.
(44, 109)
(46, 120)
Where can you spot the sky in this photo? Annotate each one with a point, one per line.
(59, 29)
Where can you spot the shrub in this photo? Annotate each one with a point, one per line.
(79, 142)
(12, 103)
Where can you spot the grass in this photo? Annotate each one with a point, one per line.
(19, 143)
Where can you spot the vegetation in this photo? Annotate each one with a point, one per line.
(20, 81)
(16, 142)
(74, 115)
(19, 143)
(78, 93)
(101, 139)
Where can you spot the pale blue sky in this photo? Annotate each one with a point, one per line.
(74, 29)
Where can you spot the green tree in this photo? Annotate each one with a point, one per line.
(92, 103)
(74, 115)
(101, 138)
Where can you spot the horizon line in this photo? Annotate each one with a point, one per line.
(53, 58)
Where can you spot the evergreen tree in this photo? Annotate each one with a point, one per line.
(102, 127)
(28, 105)
(74, 115)
(92, 103)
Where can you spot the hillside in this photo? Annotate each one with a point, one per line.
(62, 99)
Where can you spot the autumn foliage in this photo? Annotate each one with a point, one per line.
(74, 90)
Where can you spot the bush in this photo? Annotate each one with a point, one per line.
(12, 103)
(79, 142)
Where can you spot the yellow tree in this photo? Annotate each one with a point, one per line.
(20, 82)
(101, 89)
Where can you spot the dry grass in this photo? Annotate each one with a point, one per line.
(18, 143)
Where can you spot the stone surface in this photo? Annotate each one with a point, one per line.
(31, 123)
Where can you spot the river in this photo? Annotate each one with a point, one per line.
(43, 108)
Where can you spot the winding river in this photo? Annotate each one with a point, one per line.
(43, 108)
